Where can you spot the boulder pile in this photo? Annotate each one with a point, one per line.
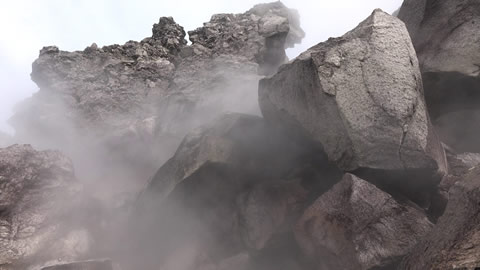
(361, 153)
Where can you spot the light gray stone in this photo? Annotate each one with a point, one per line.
(361, 97)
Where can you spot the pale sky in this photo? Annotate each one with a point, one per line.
(28, 25)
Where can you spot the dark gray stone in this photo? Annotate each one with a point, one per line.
(355, 225)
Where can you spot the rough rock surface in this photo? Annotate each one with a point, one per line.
(454, 243)
(355, 225)
(132, 104)
(445, 36)
(85, 265)
(361, 97)
(236, 140)
(35, 187)
(246, 173)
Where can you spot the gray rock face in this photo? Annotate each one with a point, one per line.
(355, 225)
(36, 187)
(86, 265)
(445, 36)
(238, 141)
(361, 97)
(129, 106)
(454, 243)
(232, 186)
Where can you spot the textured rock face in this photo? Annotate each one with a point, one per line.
(233, 185)
(454, 243)
(361, 97)
(132, 104)
(35, 189)
(238, 141)
(357, 226)
(445, 36)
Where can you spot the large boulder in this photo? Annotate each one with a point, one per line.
(361, 97)
(121, 110)
(233, 185)
(445, 36)
(355, 225)
(454, 243)
(37, 191)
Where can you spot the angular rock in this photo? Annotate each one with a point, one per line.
(361, 97)
(444, 34)
(126, 108)
(459, 166)
(445, 37)
(454, 243)
(355, 225)
(268, 210)
(36, 186)
(85, 265)
(240, 142)
(228, 188)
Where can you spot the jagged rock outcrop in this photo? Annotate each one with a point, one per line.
(454, 243)
(125, 108)
(361, 97)
(85, 265)
(445, 36)
(355, 225)
(233, 185)
(37, 188)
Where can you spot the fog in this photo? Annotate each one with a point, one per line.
(28, 25)
(115, 168)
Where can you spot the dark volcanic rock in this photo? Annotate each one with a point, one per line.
(445, 36)
(232, 186)
(35, 189)
(120, 111)
(361, 97)
(86, 265)
(454, 243)
(357, 226)
(238, 141)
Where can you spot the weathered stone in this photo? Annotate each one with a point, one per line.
(361, 97)
(238, 141)
(268, 210)
(35, 189)
(236, 167)
(355, 225)
(445, 37)
(120, 111)
(454, 243)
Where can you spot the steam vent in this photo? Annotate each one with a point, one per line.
(362, 153)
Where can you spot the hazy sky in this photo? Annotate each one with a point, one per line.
(28, 25)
